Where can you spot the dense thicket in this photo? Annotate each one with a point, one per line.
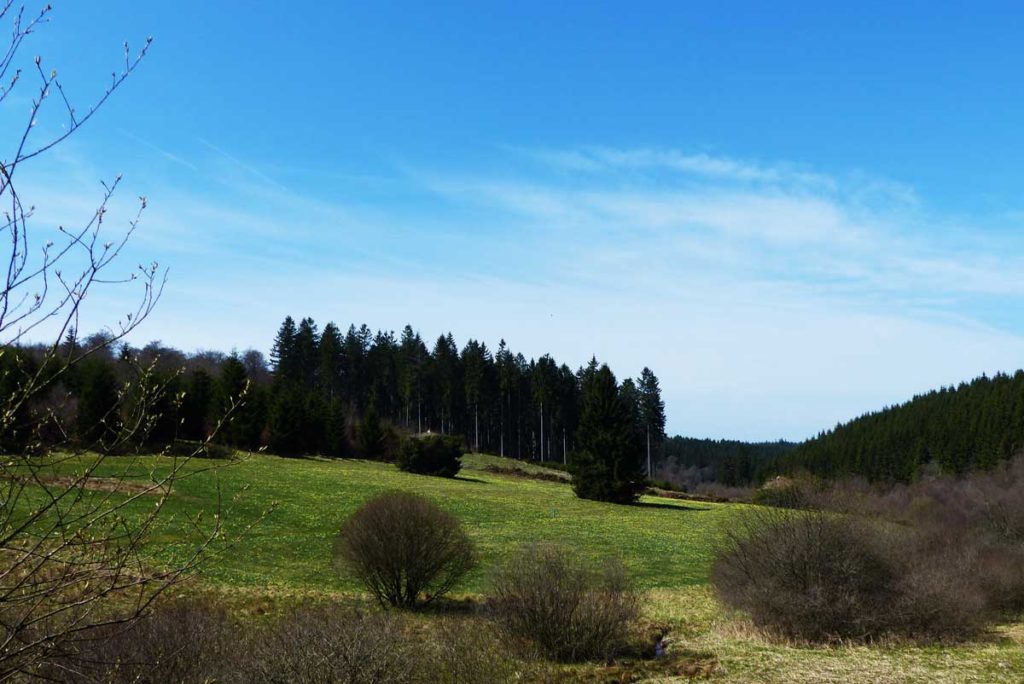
(975, 425)
(939, 556)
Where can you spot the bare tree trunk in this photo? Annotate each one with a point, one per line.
(648, 452)
(542, 431)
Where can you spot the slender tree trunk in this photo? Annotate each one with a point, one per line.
(476, 428)
(648, 452)
(542, 431)
(565, 454)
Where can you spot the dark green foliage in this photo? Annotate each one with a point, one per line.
(974, 425)
(196, 405)
(687, 461)
(316, 395)
(16, 428)
(97, 421)
(162, 396)
(287, 421)
(241, 403)
(282, 354)
(607, 465)
(431, 455)
(404, 549)
(331, 362)
(371, 435)
(335, 437)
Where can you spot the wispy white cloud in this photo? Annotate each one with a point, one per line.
(606, 159)
(170, 156)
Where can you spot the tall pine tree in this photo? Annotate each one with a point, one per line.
(607, 465)
(652, 413)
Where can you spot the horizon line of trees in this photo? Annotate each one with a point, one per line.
(346, 394)
(498, 402)
(336, 393)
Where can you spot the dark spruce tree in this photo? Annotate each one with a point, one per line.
(282, 355)
(329, 374)
(371, 434)
(195, 405)
(652, 414)
(606, 466)
(286, 421)
(98, 421)
(241, 426)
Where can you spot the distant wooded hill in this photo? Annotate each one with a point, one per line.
(955, 429)
(688, 461)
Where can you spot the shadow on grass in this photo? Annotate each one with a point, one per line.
(463, 478)
(670, 506)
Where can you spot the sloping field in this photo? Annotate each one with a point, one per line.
(299, 505)
(666, 543)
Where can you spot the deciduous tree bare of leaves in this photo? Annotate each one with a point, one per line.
(71, 561)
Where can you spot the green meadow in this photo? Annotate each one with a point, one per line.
(280, 517)
(300, 504)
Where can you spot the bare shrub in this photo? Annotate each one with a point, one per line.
(192, 641)
(564, 607)
(328, 644)
(182, 641)
(467, 651)
(823, 577)
(980, 515)
(719, 492)
(404, 549)
(786, 492)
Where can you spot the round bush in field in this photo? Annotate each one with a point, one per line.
(431, 455)
(563, 606)
(404, 549)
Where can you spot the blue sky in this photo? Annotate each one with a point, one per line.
(794, 213)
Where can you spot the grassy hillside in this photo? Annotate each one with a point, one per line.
(668, 545)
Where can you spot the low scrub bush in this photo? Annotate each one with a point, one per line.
(981, 515)
(187, 641)
(404, 549)
(719, 492)
(431, 455)
(555, 602)
(328, 644)
(824, 577)
(461, 651)
(786, 492)
(181, 641)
